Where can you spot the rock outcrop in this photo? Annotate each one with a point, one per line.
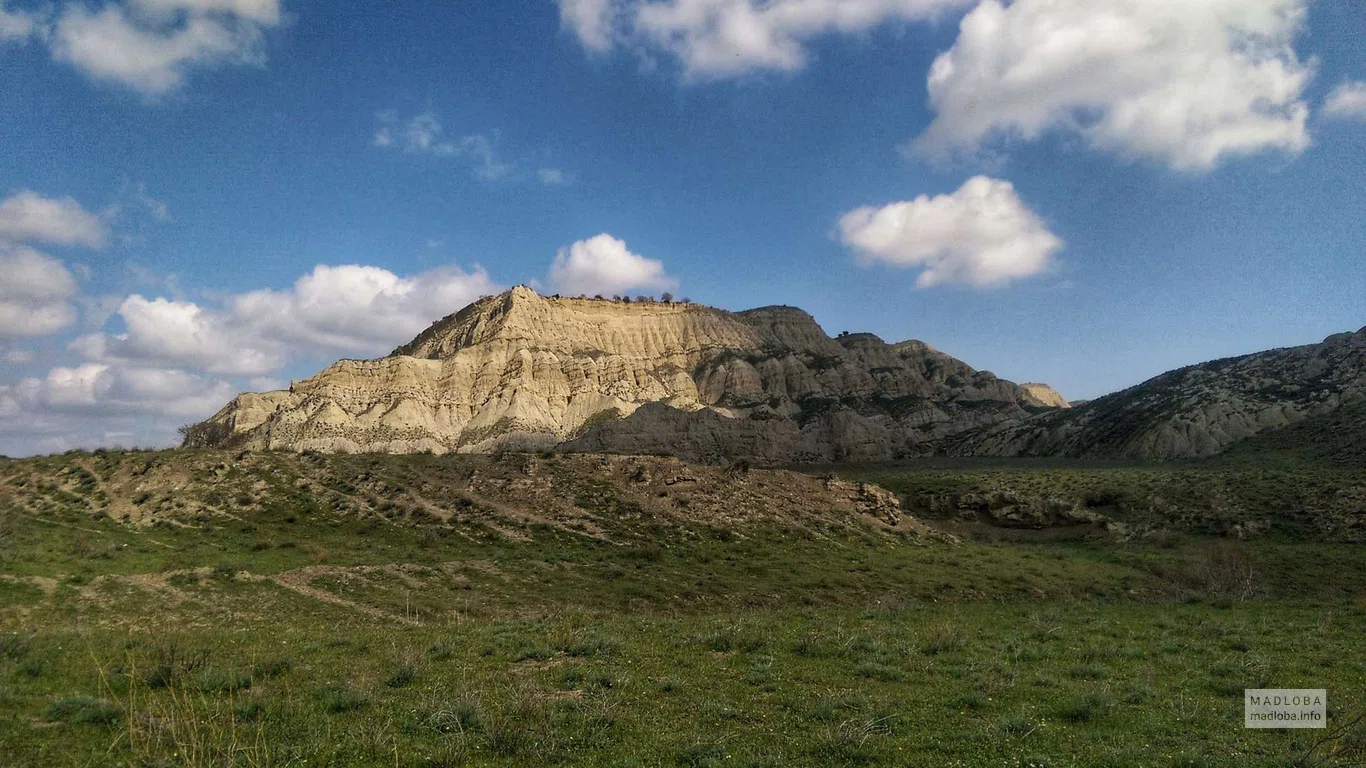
(522, 371)
(1044, 395)
(1196, 411)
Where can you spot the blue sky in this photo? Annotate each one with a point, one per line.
(1088, 196)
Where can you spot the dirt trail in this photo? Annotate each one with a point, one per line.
(300, 582)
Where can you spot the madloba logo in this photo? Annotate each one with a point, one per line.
(1285, 708)
(1290, 701)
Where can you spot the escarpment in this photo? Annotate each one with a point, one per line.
(520, 371)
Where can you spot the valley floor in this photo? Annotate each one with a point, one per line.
(326, 636)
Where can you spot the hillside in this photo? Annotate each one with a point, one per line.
(1333, 439)
(1202, 410)
(526, 372)
(613, 498)
(215, 608)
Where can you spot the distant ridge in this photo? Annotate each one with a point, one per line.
(1203, 410)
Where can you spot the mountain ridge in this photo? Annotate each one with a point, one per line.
(523, 371)
(1197, 410)
(520, 371)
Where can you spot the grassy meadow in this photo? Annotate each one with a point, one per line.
(278, 630)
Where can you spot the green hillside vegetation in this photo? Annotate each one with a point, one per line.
(205, 608)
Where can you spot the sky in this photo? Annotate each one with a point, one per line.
(202, 197)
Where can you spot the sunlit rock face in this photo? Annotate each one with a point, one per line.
(520, 371)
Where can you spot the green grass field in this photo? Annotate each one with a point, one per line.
(285, 631)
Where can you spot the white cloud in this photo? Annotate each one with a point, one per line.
(151, 46)
(424, 135)
(479, 149)
(27, 216)
(35, 293)
(38, 430)
(176, 361)
(265, 12)
(266, 384)
(18, 26)
(112, 390)
(981, 235)
(590, 20)
(1187, 84)
(419, 135)
(552, 177)
(603, 264)
(1348, 100)
(350, 310)
(359, 309)
(726, 38)
(182, 334)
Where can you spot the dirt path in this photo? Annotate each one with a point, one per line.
(299, 581)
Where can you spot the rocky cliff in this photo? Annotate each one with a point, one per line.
(1203, 409)
(523, 371)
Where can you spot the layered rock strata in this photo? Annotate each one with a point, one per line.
(520, 371)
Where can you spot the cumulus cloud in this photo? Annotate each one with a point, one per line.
(183, 334)
(1185, 84)
(359, 309)
(93, 405)
(152, 46)
(727, 38)
(424, 135)
(981, 235)
(1347, 101)
(603, 264)
(175, 361)
(27, 216)
(591, 22)
(35, 293)
(348, 310)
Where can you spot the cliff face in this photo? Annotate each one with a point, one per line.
(1200, 410)
(522, 371)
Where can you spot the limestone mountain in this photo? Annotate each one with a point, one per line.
(524, 371)
(1300, 397)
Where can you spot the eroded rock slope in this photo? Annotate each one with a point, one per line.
(523, 371)
(1204, 409)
